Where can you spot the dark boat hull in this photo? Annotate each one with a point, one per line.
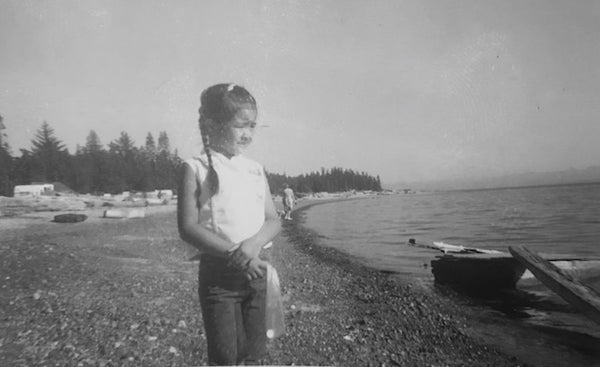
(477, 272)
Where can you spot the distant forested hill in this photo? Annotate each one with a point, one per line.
(327, 180)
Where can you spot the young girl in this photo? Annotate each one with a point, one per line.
(225, 210)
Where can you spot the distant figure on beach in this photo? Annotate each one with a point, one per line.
(288, 202)
(226, 211)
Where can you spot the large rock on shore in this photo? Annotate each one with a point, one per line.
(69, 218)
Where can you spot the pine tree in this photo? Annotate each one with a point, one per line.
(123, 170)
(50, 156)
(150, 146)
(123, 146)
(163, 142)
(90, 166)
(148, 163)
(6, 163)
(92, 143)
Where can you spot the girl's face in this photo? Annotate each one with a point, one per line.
(234, 136)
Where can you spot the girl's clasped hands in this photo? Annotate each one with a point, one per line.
(244, 259)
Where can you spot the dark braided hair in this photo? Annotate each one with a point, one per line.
(220, 103)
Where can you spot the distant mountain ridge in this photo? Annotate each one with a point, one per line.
(569, 176)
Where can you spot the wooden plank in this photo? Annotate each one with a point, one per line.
(582, 297)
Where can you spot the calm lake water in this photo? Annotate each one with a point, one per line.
(549, 219)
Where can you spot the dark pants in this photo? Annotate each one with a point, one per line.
(233, 311)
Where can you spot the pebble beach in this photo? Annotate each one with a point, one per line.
(342, 313)
(122, 292)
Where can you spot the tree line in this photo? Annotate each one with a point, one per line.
(121, 166)
(93, 168)
(335, 179)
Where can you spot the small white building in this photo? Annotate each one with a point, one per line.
(32, 190)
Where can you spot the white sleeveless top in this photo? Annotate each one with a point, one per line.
(238, 208)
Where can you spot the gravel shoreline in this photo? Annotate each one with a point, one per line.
(342, 313)
(122, 293)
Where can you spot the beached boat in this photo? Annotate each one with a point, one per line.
(473, 269)
(481, 270)
(452, 249)
(477, 272)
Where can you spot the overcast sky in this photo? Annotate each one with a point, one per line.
(409, 90)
